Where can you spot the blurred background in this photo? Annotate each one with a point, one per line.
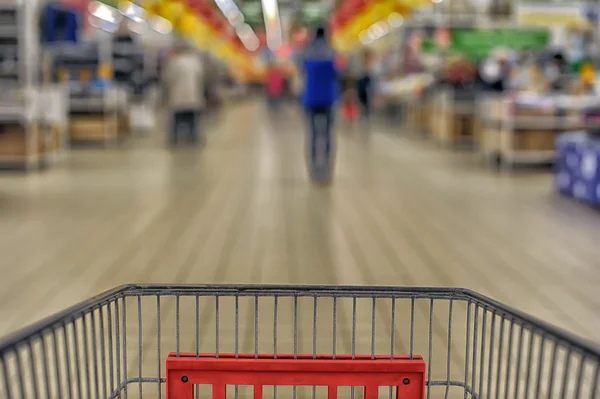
(467, 138)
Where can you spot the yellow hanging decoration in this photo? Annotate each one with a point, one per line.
(172, 11)
(187, 23)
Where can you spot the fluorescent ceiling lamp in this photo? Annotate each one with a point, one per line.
(160, 25)
(231, 11)
(136, 26)
(104, 12)
(378, 30)
(235, 17)
(270, 9)
(248, 37)
(364, 38)
(272, 24)
(244, 30)
(395, 20)
(102, 24)
(133, 11)
(252, 44)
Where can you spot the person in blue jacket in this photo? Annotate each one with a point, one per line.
(320, 94)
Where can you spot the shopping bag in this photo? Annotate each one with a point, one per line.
(142, 118)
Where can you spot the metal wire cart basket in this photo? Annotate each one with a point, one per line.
(183, 342)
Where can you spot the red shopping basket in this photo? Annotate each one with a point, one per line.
(174, 341)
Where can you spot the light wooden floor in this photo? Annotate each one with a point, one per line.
(241, 210)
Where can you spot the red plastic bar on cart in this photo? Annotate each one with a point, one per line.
(187, 369)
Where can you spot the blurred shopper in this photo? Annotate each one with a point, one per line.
(363, 88)
(320, 94)
(211, 83)
(275, 85)
(350, 109)
(184, 84)
(349, 96)
(556, 72)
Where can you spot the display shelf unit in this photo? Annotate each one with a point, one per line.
(525, 132)
(53, 121)
(94, 119)
(417, 112)
(21, 144)
(455, 119)
(11, 44)
(95, 106)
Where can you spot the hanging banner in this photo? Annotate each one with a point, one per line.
(477, 44)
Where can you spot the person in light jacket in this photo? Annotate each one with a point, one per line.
(184, 84)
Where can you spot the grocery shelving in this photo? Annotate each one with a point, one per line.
(523, 129)
(22, 145)
(95, 103)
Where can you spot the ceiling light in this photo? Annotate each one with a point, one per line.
(104, 12)
(102, 24)
(272, 24)
(252, 45)
(243, 30)
(395, 20)
(377, 31)
(248, 37)
(383, 28)
(132, 11)
(364, 38)
(235, 18)
(136, 26)
(270, 9)
(160, 25)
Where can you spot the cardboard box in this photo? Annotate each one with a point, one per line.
(13, 140)
(93, 128)
(462, 127)
(534, 140)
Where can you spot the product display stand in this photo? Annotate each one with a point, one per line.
(524, 130)
(453, 123)
(54, 117)
(21, 144)
(417, 115)
(95, 105)
(95, 119)
(11, 44)
(493, 110)
(454, 119)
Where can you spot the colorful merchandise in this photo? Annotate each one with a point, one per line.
(578, 167)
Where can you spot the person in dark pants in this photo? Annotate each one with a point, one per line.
(364, 95)
(185, 121)
(363, 89)
(320, 94)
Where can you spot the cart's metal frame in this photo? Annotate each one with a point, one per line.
(501, 345)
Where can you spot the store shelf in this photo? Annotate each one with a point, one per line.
(529, 157)
(9, 31)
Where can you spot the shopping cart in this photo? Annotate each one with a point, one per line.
(191, 341)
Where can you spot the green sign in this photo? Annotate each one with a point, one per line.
(478, 43)
(312, 14)
(252, 12)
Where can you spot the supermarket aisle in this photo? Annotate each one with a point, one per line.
(242, 211)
